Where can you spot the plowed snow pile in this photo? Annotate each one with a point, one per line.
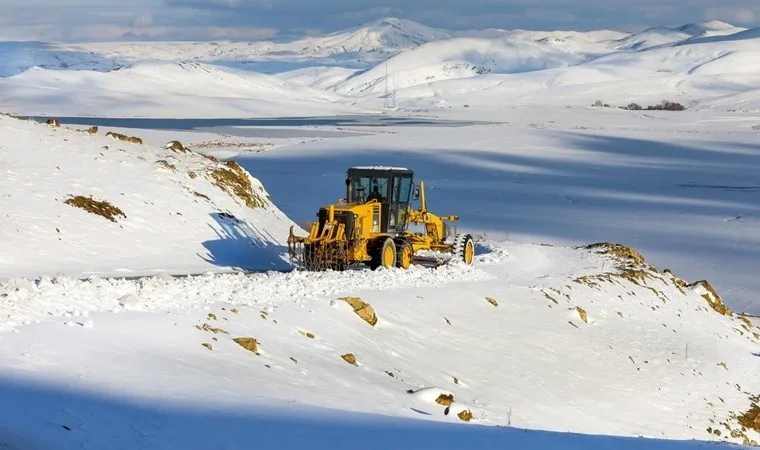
(79, 204)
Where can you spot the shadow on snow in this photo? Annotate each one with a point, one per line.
(243, 246)
(41, 417)
(647, 194)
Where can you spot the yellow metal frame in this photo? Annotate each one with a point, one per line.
(366, 229)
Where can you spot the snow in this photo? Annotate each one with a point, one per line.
(173, 222)
(436, 333)
(120, 333)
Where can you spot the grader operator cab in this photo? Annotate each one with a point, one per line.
(372, 226)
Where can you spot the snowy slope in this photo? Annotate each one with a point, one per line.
(658, 36)
(533, 338)
(171, 89)
(16, 57)
(458, 58)
(175, 213)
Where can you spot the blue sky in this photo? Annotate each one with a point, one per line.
(88, 20)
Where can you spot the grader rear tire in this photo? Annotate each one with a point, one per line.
(383, 254)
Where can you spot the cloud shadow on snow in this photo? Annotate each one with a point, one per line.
(45, 417)
(638, 192)
(243, 246)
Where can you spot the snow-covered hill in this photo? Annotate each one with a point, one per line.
(458, 58)
(658, 36)
(157, 88)
(79, 204)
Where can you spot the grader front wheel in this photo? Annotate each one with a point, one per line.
(464, 248)
(384, 254)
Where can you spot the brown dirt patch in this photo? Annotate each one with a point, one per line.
(236, 182)
(98, 207)
(349, 358)
(248, 343)
(362, 309)
(445, 399)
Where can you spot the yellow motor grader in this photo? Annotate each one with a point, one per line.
(372, 226)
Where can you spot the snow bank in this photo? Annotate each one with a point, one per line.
(79, 204)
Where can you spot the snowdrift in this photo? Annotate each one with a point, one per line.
(161, 89)
(79, 204)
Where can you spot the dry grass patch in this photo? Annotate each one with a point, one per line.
(748, 420)
(620, 251)
(236, 182)
(350, 358)
(465, 415)
(166, 165)
(248, 343)
(192, 175)
(207, 345)
(209, 328)
(362, 309)
(582, 314)
(445, 399)
(203, 196)
(98, 207)
(712, 298)
(177, 147)
(492, 301)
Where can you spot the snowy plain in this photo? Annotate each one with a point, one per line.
(547, 344)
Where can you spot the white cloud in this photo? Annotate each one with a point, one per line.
(73, 20)
(741, 16)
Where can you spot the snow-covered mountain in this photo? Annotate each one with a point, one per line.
(705, 65)
(371, 41)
